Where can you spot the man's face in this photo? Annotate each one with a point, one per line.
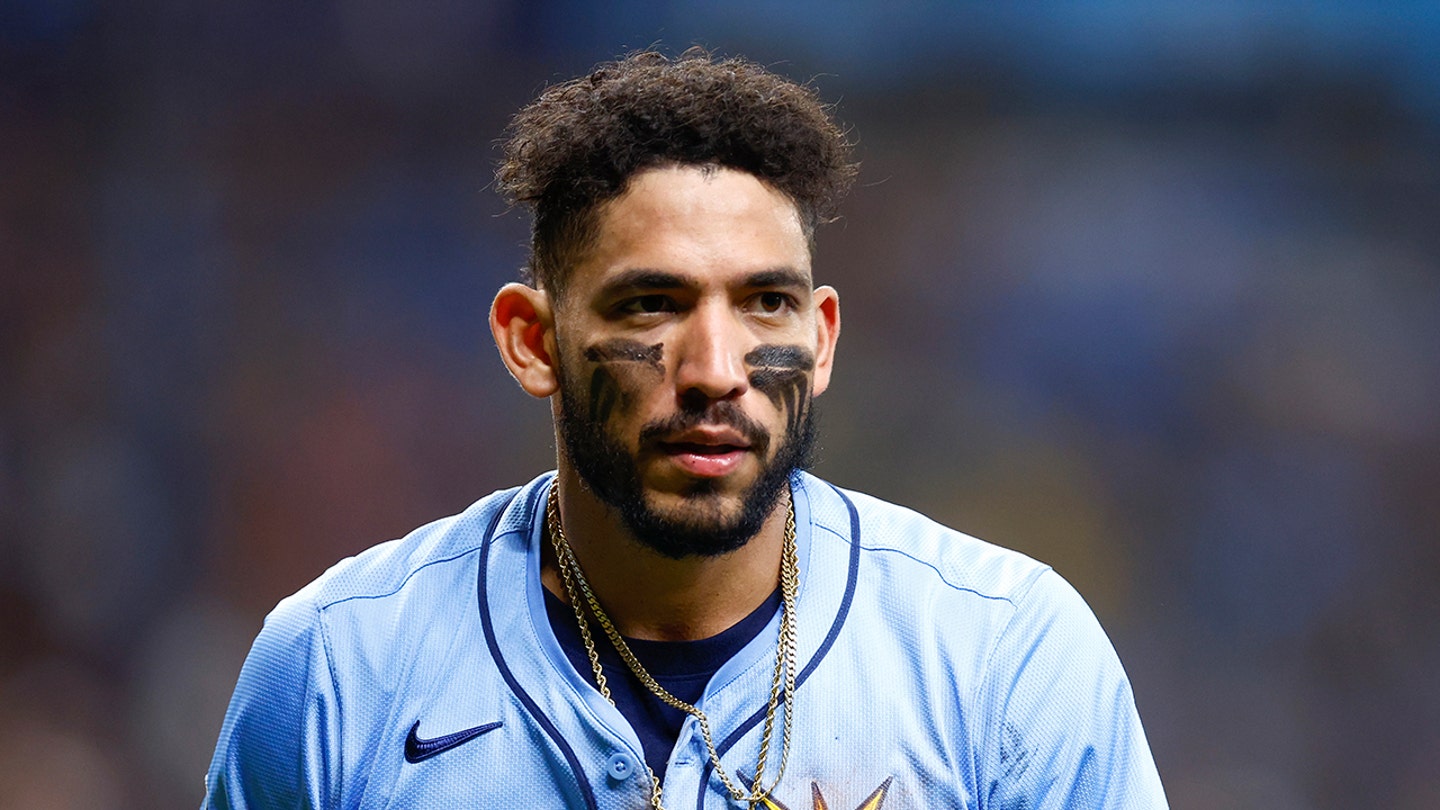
(688, 338)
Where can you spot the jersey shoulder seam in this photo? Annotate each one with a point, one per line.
(328, 650)
(988, 670)
(1018, 586)
(399, 586)
(1015, 600)
(1011, 596)
(473, 516)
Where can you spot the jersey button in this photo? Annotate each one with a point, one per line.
(620, 766)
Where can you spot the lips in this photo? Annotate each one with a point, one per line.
(705, 461)
(707, 436)
(700, 448)
(709, 443)
(706, 452)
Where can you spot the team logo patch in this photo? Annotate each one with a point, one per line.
(872, 802)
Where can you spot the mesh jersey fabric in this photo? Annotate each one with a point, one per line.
(936, 670)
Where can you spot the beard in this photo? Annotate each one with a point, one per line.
(610, 471)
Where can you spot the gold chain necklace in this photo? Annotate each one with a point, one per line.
(576, 586)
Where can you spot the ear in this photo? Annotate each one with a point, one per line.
(827, 329)
(524, 328)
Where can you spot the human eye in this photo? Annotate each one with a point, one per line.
(772, 302)
(646, 305)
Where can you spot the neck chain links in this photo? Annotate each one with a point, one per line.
(581, 598)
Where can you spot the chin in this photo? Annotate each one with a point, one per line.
(701, 504)
(696, 525)
(675, 487)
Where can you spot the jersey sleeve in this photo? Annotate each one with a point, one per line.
(1060, 725)
(278, 746)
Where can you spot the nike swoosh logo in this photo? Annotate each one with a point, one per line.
(418, 750)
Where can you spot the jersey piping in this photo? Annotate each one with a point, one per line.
(528, 702)
(851, 577)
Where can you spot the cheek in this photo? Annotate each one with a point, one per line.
(605, 395)
(617, 389)
(788, 391)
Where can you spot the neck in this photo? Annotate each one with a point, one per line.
(650, 596)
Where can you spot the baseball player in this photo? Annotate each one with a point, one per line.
(679, 616)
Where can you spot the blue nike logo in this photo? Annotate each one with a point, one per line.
(418, 750)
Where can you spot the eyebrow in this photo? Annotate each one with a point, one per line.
(778, 277)
(643, 278)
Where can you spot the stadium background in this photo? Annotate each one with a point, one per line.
(1150, 291)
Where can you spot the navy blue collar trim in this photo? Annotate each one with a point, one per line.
(820, 652)
(586, 792)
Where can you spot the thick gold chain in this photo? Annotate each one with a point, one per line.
(577, 587)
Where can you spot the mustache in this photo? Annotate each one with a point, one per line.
(714, 414)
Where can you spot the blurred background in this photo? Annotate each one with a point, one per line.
(1148, 290)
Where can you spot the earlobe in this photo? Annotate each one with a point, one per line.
(522, 324)
(827, 327)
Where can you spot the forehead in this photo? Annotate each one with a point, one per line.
(704, 224)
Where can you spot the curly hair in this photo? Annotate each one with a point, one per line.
(577, 145)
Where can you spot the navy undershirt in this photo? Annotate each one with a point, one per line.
(682, 667)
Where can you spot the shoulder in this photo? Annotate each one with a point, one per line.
(911, 544)
(363, 614)
(979, 604)
(436, 550)
(387, 568)
(917, 590)
(1034, 685)
(354, 631)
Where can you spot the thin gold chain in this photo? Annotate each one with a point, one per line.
(577, 587)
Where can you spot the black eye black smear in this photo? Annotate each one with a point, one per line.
(625, 351)
(775, 356)
(605, 389)
(782, 373)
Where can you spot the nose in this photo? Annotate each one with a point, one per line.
(712, 356)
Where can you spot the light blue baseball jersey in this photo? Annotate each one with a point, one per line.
(935, 670)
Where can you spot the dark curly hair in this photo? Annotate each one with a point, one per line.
(577, 145)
